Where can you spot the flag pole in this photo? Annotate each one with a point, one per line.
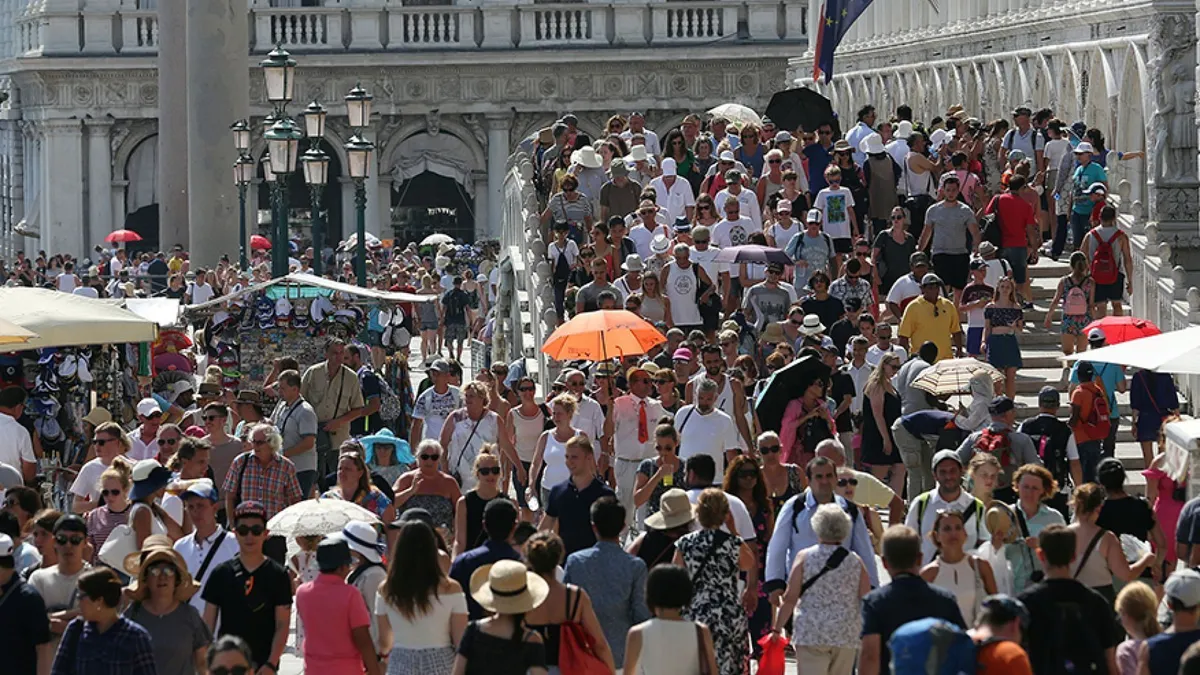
(820, 30)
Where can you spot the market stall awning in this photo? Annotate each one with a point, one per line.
(162, 311)
(67, 320)
(298, 279)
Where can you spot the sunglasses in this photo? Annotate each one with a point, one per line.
(210, 418)
(663, 381)
(168, 441)
(236, 670)
(489, 471)
(110, 493)
(246, 530)
(162, 570)
(748, 473)
(769, 449)
(575, 383)
(101, 441)
(431, 458)
(843, 482)
(774, 161)
(63, 539)
(526, 388)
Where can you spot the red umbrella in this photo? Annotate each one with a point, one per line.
(1118, 329)
(260, 243)
(123, 236)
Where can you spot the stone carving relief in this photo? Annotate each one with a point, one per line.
(433, 122)
(476, 124)
(1172, 124)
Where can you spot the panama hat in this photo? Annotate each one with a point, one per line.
(660, 243)
(132, 562)
(812, 325)
(637, 154)
(674, 510)
(586, 157)
(999, 520)
(185, 586)
(507, 587)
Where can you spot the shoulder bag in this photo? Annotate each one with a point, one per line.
(576, 648)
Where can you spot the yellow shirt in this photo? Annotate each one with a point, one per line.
(872, 492)
(331, 398)
(175, 265)
(926, 321)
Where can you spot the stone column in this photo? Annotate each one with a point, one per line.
(385, 203)
(99, 180)
(64, 214)
(116, 200)
(348, 216)
(172, 125)
(483, 206)
(499, 128)
(373, 203)
(218, 86)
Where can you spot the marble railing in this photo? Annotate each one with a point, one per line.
(40, 29)
(526, 303)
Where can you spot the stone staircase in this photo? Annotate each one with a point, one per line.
(1040, 350)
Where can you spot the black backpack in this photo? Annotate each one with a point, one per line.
(850, 508)
(1051, 445)
(1076, 649)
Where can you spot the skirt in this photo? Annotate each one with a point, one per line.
(431, 661)
(1004, 351)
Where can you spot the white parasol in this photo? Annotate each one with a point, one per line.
(318, 517)
(436, 239)
(737, 114)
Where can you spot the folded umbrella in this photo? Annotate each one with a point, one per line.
(801, 108)
(602, 335)
(953, 376)
(753, 253)
(787, 384)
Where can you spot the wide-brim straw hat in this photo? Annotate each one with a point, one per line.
(674, 510)
(999, 519)
(184, 589)
(507, 587)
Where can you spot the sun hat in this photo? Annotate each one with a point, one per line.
(586, 157)
(507, 587)
(618, 169)
(637, 154)
(674, 509)
(903, 130)
(633, 263)
(812, 325)
(401, 450)
(660, 244)
(682, 224)
(185, 586)
(132, 561)
(362, 538)
(97, 416)
(986, 248)
(783, 137)
(872, 144)
(999, 519)
(842, 145)
(772, 334)
(148, 477)
(726, 156)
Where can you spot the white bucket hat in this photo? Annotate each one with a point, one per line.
(637, 154)
(586, 157)
(872, 144)
(903, 130)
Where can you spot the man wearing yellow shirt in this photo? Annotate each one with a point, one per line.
(932, 318)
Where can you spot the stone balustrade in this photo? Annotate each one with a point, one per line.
(43, 28)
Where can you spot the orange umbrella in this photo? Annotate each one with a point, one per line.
(602, 335)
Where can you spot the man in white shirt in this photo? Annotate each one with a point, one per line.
(705, 430)
(434, 404)
(16, 445)
(859, 370)
(200, 291)
(589, 416)
(749, 201)
(630, 423)
(908, 287)
(898, 146)
(637, 125)
(947, 496)
(107, 442)
(144, 439)
(864, 128)
(209, 544)
(734, 229)
(884, 345)
(673, 193)
(647, 225)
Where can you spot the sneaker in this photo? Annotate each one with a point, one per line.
(1027, 305)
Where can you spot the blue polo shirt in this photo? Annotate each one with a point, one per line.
(818, 158)
(465, 565)
(926, 422)
(907, 598)
(572, 507)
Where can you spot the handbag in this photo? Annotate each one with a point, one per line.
(576, 648)
(121, 542)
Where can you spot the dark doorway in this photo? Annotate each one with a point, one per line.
(429, 203)
(300, 204)
(144, 221)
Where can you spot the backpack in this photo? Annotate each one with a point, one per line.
(976, 506)
(1097, 417)
(996, 443)
(1055, 462)
(991, 228)
(1105, 269)
(1077, 648)
(932, 647)
(1075, 301)
(849, 507)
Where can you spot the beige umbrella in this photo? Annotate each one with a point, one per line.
(11, 333)
(953, 376)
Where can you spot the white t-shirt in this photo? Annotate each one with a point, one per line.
(835, 204)
(906, 288)
(705, 260)
(432, 408)
(430, 630)
(748, 201)
(86, 291)
(66, 282)
(737, 508)
(87, 483)
(874, 353)
(710, 434)
(729, 233)
(16, 445)
(200, 292)
(115, 266)
(642, 237)
(1054, 152)
(781, 235)
(674, 199)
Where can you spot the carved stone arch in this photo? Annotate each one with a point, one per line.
(1070, 90)
(139, 170)
(1045, 93)
(1103, 90)
(447, 125)
(975, 89)
(938, 94)
(133, 137)
(1023, 89)
(903, 93)
(1002, 99)
(1134, 111)
(527, 125)
(884, 96)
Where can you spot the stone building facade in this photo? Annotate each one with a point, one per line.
(115, 112)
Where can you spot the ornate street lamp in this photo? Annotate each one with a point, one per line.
(358, 107)
(359, 152)
(316, 171)
(279, 72)
(243, 175)
(241, 136)
(283, 143)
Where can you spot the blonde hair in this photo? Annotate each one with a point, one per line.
(1138, 602)
(121, 470)
(712, 507)
(979, 459)
(582, 442)
(878, 379)
(478, 389)
(213, 375)
(566, 401)
(487, 451)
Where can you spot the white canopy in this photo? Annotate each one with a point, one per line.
(163, 311)
(1176, 352)
(320, 282)
(68, 320)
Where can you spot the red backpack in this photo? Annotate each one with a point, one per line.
(996, 443)
(1097, 420)
(1104, 259)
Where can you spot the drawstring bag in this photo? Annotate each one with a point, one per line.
(772, 660)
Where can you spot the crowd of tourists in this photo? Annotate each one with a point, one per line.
(639, 515)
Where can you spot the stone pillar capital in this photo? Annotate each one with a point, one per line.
(98, 122)
(499, 120)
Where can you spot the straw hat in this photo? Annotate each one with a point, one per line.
(637, 154)
(999, 520)
(773, 334)
(185, 587)
(133, 561)
(674, 510)
(507, 587)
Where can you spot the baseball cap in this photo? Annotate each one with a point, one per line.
(6, 546)
(71, 523)
(1184, 587)
(1049, 397)
(669, 167)
(1084, 147)
(931, 279)
(726, 156)
(1097, 335)
(1085, 371)
(918, 258)
(440, 366)
(978, 264)
(1000, 405)
(250, 509)
(333, 552)
(682, 354)
(784, 206)
(1004, 608)
(943, 455)
(147, 407)
(701, 234)
(814, 216)
(202, 487)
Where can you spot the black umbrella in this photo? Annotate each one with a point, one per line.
(786, 385)
(801, 108)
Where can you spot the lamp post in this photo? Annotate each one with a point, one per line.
(243, 175)
(283, 141)
(316, 172)
(359, 152)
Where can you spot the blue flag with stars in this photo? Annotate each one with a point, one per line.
(834, 22)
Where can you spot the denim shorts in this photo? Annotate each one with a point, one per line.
(1018, 258)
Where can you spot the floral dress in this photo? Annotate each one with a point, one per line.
(711, 558)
